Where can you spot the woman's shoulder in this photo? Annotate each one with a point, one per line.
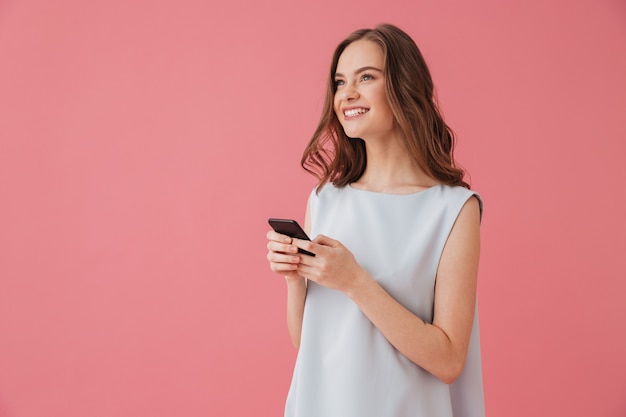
(461, 195)
(325, 190)
(458, 190)
(327, 194)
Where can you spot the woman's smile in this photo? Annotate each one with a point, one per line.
(351, 113)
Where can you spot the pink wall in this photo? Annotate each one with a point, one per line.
(143, 144)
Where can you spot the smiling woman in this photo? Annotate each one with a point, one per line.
(363, 89)
(384, 315)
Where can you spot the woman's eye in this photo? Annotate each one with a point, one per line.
(366, 77)
(339, 82)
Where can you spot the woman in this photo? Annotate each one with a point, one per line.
(383, 316)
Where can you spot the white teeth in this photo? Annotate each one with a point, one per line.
(354, 112)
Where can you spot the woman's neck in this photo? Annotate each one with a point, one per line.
(391, 169)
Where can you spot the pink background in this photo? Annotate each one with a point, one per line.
(143, 145)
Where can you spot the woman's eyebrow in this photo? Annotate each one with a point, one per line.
(360, 70)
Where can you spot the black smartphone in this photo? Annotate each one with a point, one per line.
(290, 228)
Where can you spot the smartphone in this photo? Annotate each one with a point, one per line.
(290, 228)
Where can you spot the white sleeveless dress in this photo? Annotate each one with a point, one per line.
(345, 366)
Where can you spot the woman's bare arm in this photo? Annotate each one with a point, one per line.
(284, 259)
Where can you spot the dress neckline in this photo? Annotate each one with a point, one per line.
(349, 186)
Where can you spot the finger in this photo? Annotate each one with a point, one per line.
(307, 272)
(307, 245)
(283, 267)
(283, 263)
(280, 258)
(274, 246)
(278, 237)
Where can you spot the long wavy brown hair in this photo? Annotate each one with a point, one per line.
(334, 157)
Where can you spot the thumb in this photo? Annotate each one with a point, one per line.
(326, 241)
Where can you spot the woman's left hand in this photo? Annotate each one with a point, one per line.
(333, 265)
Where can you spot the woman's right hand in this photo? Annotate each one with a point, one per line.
(284, 259)
(283, 255)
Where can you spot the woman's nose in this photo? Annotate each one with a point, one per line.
(349, 92)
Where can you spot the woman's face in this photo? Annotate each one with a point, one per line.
(360, 102)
